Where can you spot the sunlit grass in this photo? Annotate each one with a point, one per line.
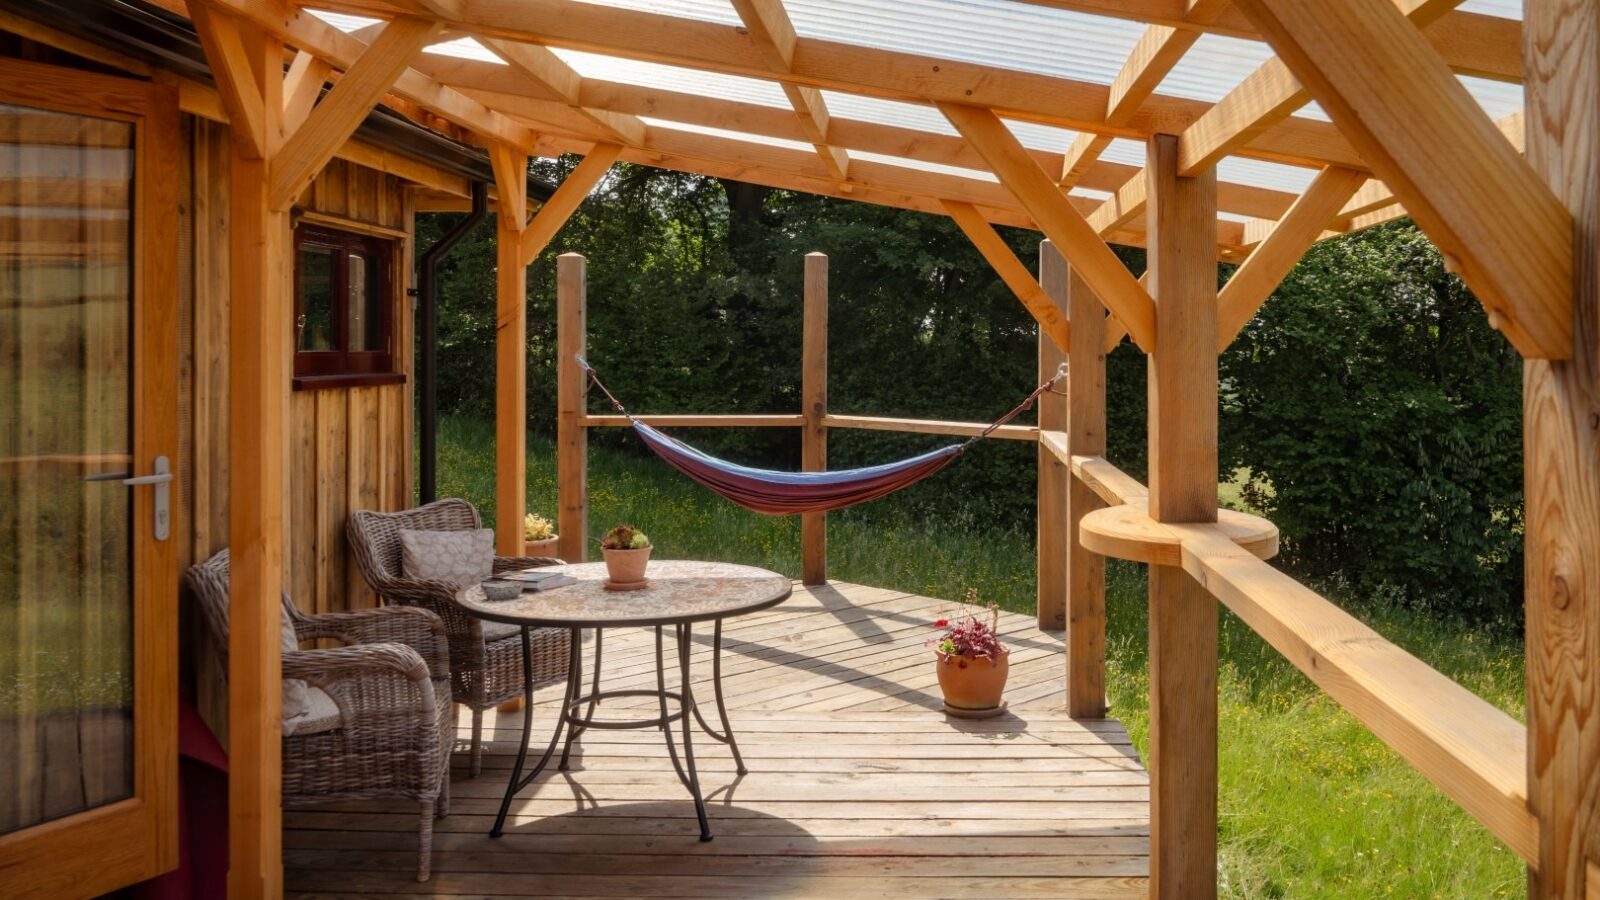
(1311, 804)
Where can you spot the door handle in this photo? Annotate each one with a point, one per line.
(161, 480)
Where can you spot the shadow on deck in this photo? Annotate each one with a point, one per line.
(857, 787)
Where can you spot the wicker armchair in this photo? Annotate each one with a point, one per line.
(394, 725)
(485, 657)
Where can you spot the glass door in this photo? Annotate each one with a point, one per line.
(88, 394)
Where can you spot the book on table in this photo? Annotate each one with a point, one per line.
(537, 580)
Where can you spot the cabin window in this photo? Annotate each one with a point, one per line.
(343, 308)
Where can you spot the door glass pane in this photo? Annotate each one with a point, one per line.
(66, 651)
(314, 320)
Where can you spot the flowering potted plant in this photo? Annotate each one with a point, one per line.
(627, 550)
(538, 536)
(971, 662)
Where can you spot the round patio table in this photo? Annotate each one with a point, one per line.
(680, 593)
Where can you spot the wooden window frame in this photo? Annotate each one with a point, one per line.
(341, 367)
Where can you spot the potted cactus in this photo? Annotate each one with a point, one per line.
(971, 662)
(627, 551)
(538, 536)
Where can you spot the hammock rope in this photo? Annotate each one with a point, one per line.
(788, 493)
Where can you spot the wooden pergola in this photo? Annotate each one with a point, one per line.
(1511, 204)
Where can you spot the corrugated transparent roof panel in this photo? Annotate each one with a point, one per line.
(919, 165)
(705, 10)
(343, 21)
(886, 112)
(465, 48)
(1214, 66)
(1505, 9)
(674, 78)
(761, 139)
(998, 33)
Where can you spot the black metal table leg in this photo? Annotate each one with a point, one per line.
(726, 736)
(688, 729)
(518, 781)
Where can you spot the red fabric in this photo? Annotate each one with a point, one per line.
(202, 870)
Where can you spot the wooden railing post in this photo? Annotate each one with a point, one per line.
(814, 405)
(1086, 570)
(510, 353)
(1183, 488)
(572, 384)
(1562, 469)
(1054, 476)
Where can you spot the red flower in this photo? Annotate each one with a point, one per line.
(941, 623)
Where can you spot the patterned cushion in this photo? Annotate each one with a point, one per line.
(321, 714)
(454, 557)
(494, 631)
(296, 694)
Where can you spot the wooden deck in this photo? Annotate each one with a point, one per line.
(858, 786)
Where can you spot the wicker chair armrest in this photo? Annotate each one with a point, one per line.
(515, 563)
(417, 628)
(376, 686)
(418, 590)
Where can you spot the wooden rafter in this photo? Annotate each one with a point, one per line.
(1160, 48)
(301, 87)
(497, 87)
(831, 65)
(1058, 219)
(1052, 321)
(1266, 97)
(1467, 187)
(1282, 248)
(237, 83)
(332, 121)
(551, 73)
(1122, 207)
(775, 37)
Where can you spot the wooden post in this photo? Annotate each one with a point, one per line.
(510, 357)
(1562, 467)
(259, 320)
(572, 386)
(1054, 475)
(1183, 488)
(1086, 570)
(814, 405)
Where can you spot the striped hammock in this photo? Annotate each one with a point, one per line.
(777, 493)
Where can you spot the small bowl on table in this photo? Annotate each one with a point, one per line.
(496, 590)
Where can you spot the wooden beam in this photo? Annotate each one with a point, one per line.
(830, 65)
(258, 445)
(1047, 312)
(510, 351)
(1425, 136)
(336, 118)
(497, 86)
(814, 406)
(774, 36)
(1125, 205)
(1081, 156)
(1266, 97)
(1066, 228)
(931, 426)
(1086, 436)
(553, 74)
(1261, 273)
(231, 67)
(561, 205)
(302, 87)
(305, 31)
(1183, 488)
(1561, 469)
(572, 387)
(1053, 548)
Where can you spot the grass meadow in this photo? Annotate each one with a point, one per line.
(1311, 804)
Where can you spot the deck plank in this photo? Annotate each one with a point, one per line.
(858, 786)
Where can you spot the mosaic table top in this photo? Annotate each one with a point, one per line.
(678, 591)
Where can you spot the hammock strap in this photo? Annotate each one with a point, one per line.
(1019, 409)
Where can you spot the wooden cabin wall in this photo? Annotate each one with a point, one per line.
(350, 448)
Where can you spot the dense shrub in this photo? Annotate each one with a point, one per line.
(1374, 411)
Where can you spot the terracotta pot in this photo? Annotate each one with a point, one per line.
(970, 683)
(546, 547)
(626, 566)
